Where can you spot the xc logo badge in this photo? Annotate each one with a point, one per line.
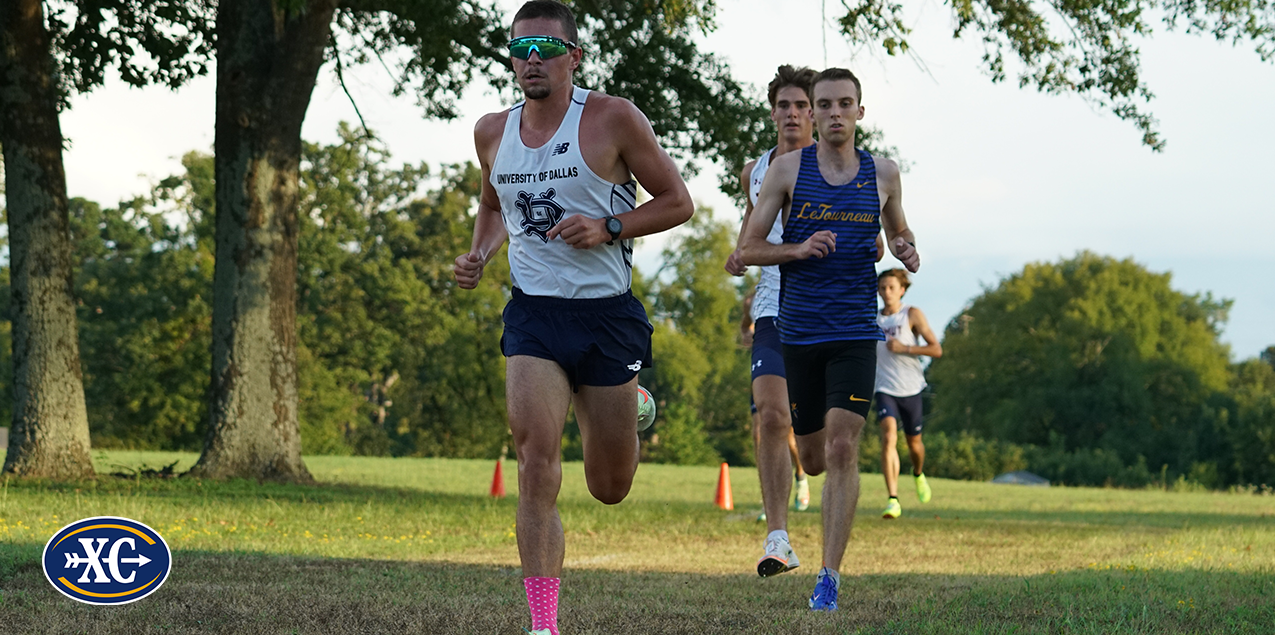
(106, 560)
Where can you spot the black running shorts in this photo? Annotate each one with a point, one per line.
(829, 375)
(905, 410)
(597, 341)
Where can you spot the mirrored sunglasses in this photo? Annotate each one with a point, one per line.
(546, 46)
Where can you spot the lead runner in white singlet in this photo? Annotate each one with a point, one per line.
(538, 187)
(558, 183)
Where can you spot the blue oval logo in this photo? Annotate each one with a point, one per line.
(106, 560)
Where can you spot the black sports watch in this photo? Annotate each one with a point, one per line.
(614, 227)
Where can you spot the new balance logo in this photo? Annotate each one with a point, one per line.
(561, 148)
(635, 366)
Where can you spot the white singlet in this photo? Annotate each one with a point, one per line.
(766, 300)
(898, 375)
(538, 187)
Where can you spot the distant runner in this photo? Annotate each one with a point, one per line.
(900, 380)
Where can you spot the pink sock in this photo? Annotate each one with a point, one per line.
(542, 599)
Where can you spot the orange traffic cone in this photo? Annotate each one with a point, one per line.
(724, 499)
(498, 481)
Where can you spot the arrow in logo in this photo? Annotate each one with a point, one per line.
(139, 560)
(74, 560)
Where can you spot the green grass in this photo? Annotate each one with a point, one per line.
(416, 545)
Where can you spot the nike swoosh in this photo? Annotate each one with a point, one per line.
(853, 398)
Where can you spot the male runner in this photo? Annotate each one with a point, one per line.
(773, 438)
(835, 199)
(900, 380)
(801, 500)
(558, 182)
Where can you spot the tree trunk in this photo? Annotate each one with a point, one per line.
(268, 56)
(50, 435)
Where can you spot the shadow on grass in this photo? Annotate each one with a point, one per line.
(244, 593)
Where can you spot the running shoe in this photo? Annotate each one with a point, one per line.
(779, 557)
(761, 518)
(825, 596)
(922, 489)
(892, 510)
(539, 631)
(802, 501)
(646, 409)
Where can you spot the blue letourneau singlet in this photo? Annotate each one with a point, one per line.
(833, 298)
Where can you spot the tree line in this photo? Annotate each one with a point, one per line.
(1104, 374)
(1088, 370)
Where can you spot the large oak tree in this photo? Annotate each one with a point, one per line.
(44, 56)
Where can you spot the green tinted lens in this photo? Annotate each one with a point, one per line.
(544, 46)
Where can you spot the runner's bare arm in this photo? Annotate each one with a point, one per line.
(489, 226)
(775, 196)
(735, 262)
(897, 234)
(746, 321)
(654, 169)
(921, 328)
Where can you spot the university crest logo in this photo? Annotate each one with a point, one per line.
(539, 213)
(106, 560)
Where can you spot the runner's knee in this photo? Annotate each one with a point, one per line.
(539, 476)
(889, 434)
(773, 419)
(609, 487)
(842, 449)
(811, 461)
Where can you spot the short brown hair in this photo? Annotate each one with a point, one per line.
(549, 9)
(901, 274)
(834, 74)
(786, 76)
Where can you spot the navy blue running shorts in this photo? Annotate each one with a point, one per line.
(597, 341)
(768, 353)
(905, 410)
(829, 375)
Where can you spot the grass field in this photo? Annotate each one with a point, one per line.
(416, 546)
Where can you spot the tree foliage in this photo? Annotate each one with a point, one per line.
(1246, 423)
(1087, 353)
(701, 374)
(417, 360)
(143, 280)
(166, 42)
(1074, 46)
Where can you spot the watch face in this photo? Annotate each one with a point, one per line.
(614, 226)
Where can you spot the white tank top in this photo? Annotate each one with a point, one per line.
(766, 300)
(538, 187)
(898, 375)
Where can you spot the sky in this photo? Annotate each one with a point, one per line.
(999, 176)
